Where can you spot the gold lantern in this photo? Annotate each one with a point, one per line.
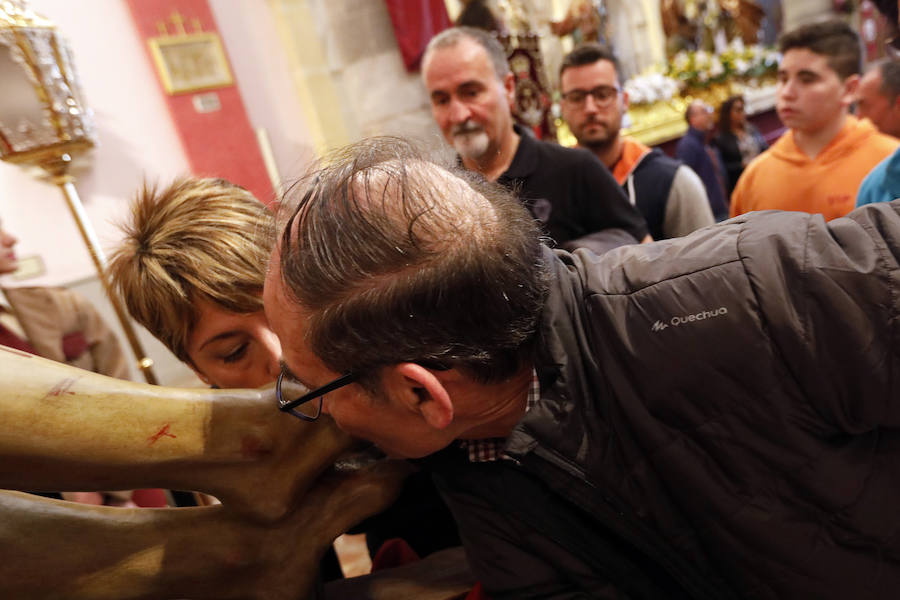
(44, 122)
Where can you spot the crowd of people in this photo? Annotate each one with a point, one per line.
(589, 414)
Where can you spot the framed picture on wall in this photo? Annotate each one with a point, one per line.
(192, 62)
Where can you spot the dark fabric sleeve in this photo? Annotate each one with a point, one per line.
(732, 161)
(604, 205)
(830, 294)
(688, 153)
(512, 559)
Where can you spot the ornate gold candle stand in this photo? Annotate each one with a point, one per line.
(43, 122)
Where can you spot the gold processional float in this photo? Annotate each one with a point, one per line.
(44, 122)
(658, 99)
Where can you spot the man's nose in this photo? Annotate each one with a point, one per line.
(459, 111)
(786, 89)
(590, 104)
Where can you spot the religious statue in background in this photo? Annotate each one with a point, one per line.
(709, 24)
(585, 21)
(480, 14)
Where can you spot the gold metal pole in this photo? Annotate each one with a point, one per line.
(58, 170)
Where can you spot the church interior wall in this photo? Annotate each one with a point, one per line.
(138, 141)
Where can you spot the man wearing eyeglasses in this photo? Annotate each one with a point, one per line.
(669, 195)
(568, 191)
(709, 417)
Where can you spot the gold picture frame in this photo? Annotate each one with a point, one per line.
(191, 62)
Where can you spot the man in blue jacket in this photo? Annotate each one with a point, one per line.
(695, 151)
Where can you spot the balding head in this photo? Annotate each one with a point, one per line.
(394, 258)
(488, 42)
(699, 115)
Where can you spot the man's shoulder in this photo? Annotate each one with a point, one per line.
(563, 154)
(687, 144)
(866, 138)
(657, 159)
(657, 166)
(44, 295)
(549, 159)
(573, 164)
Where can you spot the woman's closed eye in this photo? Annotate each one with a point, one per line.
(237, 353)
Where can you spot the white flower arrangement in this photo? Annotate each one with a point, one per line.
(700, 69)
(650, 88)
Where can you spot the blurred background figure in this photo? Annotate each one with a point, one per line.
(737, 139)
(878, 96)
(55, 323)
(695, 151)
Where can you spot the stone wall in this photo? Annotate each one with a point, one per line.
(352, 76)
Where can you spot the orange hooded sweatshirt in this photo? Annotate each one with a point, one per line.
(785, 178)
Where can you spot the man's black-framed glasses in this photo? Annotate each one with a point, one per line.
(603, 95)
(308, 406)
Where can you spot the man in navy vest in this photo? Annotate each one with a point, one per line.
(669, 195)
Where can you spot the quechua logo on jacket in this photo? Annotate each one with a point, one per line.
(678, 321)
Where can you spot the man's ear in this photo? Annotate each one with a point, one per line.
(422, 392)
(624, 101)
(509, 86)
(851, 85)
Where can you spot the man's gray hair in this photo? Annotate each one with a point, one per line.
(454, 35)
(890, 79)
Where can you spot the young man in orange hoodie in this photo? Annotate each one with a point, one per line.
(669, 195)
(818, 164)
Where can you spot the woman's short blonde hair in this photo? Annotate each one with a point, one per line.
(196, 239)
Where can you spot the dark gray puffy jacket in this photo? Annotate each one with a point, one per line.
(720, 418)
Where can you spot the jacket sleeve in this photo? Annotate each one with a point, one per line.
(512, 559)
(730, 152)
(830, 295)
(687, 207)
(872, 189)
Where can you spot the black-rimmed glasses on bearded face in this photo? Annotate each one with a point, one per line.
(603, 95)
(308, 406)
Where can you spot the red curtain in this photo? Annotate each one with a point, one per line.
(415, 23)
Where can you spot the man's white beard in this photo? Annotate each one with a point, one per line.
(471, 145)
